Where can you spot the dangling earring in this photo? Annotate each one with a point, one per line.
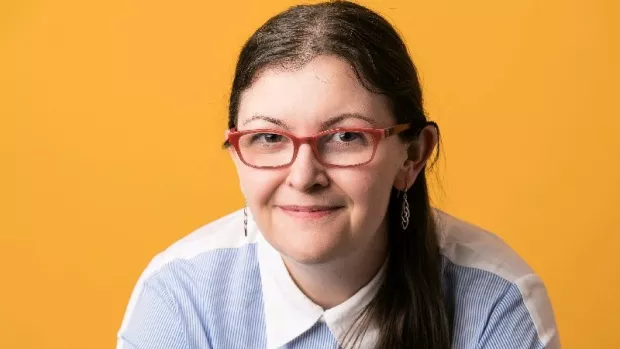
(245, 219)
(404, 214)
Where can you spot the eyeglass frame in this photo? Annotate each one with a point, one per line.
(377, 134)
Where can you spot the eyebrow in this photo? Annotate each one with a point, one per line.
(324, 125)
(268, 119)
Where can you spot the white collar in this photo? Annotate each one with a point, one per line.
(289, 312)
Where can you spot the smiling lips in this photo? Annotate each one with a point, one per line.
(314, 211)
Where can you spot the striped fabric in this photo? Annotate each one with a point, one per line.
(216, 289)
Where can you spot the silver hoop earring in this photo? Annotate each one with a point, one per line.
(245, 220)
(404, 214)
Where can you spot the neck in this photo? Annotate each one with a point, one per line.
(331, 283)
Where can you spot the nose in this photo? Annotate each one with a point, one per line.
(306, 172)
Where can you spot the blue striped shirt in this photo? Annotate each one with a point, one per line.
(217, 289)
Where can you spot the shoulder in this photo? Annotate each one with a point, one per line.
(216, 247)
(225, 233)
(217, 250)
(467, 245)
(199, 270)
(487, 280)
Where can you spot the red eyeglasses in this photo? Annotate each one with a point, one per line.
(340, 147)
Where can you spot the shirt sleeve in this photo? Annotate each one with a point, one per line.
(522, 319)
(154, 322)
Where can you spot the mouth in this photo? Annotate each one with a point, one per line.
(313, 211)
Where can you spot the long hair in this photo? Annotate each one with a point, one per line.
(409, 306)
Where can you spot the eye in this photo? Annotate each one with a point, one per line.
(267, 138)
(347, 136)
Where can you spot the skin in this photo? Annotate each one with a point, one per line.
(332, 253)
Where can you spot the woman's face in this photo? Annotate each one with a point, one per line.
(309, 212)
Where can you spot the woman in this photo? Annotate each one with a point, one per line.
(338, 246)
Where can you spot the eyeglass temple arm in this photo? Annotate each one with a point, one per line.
(396, 129)
(418, 126)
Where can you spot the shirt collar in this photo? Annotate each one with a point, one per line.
(289, 313)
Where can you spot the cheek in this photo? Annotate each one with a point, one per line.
(258, 186)
(368, 188)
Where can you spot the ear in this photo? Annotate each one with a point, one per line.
(419, 151)
(233, 155)
(405, 176)
(231, 150)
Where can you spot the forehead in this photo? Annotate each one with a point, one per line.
(305, 97)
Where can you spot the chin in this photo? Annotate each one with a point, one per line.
(310, 257)
(309, 247)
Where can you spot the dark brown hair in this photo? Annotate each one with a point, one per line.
(409, 307)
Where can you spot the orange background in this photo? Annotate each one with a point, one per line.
(112, 114)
